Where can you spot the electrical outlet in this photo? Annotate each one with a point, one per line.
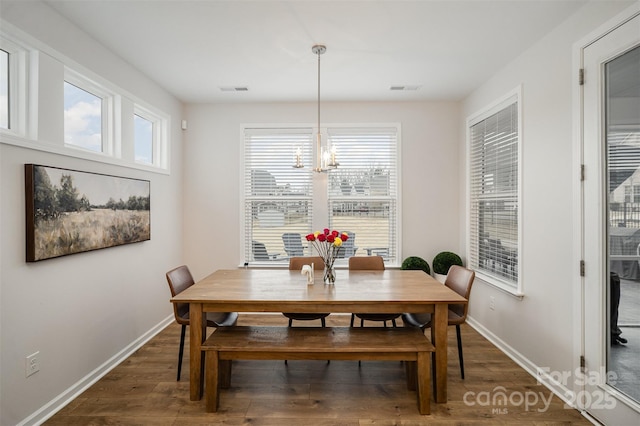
(32, 364)
(492, 303)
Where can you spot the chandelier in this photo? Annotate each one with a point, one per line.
(325, 155)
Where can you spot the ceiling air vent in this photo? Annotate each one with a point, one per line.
(234, 89)
(407, 87)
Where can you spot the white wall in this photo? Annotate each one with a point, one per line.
(430, 202)
(80, 310)
(541, 329)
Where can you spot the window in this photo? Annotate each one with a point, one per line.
(92, 111)
(494, 153)
(83, 118)
(282, 203)
(150, 136)
(363, 190)
(278, 198)
(143, 139)
(4, 89)
(14, 83)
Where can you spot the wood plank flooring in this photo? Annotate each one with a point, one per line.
(143, 390)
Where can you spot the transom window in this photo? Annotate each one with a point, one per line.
(87, 115)
(99, 121)
(494, 157)
(14, 83)
(4, 89)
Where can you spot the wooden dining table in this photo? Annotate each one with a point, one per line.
(280, 290)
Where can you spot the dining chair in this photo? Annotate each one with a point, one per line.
(460, 280)
(370, 263)
(180, 279)
(296, 264)
(293, 244)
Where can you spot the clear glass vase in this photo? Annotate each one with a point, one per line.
(329, 275)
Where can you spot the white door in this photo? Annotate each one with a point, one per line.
(611, 219)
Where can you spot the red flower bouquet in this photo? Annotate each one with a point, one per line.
(327, 244)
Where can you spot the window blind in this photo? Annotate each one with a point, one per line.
(363, 190)
(494, 195)
(278, 199)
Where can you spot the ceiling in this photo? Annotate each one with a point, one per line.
(194, 49)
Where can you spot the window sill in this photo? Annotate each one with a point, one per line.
(500, 285)
(7, 138)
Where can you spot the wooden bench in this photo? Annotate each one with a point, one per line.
(317, 343)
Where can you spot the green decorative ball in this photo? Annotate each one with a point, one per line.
(444, 260)
(416, 263)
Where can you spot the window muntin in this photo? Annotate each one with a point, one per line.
(83, 118)
(4, 89)
(363, 190)
(494, 160)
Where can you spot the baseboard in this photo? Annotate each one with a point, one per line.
(539, 373)
(59, 402)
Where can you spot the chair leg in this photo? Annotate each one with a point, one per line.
(324, 324)
(352, 318)
(393, 321)
(361, 322)
(460, 350)
(182, 333)
(290, 322)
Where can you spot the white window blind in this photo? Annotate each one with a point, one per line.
(363, 190)
(494, 195)
(278, 198)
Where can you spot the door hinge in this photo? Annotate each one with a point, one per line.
(581, 172)
(583, 363)
(582, 268)
(581, 76)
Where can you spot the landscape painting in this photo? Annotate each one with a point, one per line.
(70, 211)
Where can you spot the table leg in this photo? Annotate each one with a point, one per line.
(197, 333)
(212, 374)
(424, 381)
(439, 339)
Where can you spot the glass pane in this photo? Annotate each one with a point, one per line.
(278, 229)
(4, 89)
(369, 224)
(494, 195)
(143, 129)
(82, 118)
(277, 196)
(622, 77)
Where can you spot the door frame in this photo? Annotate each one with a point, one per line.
(579, 284)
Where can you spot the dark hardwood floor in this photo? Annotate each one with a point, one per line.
(143, 390)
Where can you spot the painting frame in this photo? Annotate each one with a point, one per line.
(72, 211)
